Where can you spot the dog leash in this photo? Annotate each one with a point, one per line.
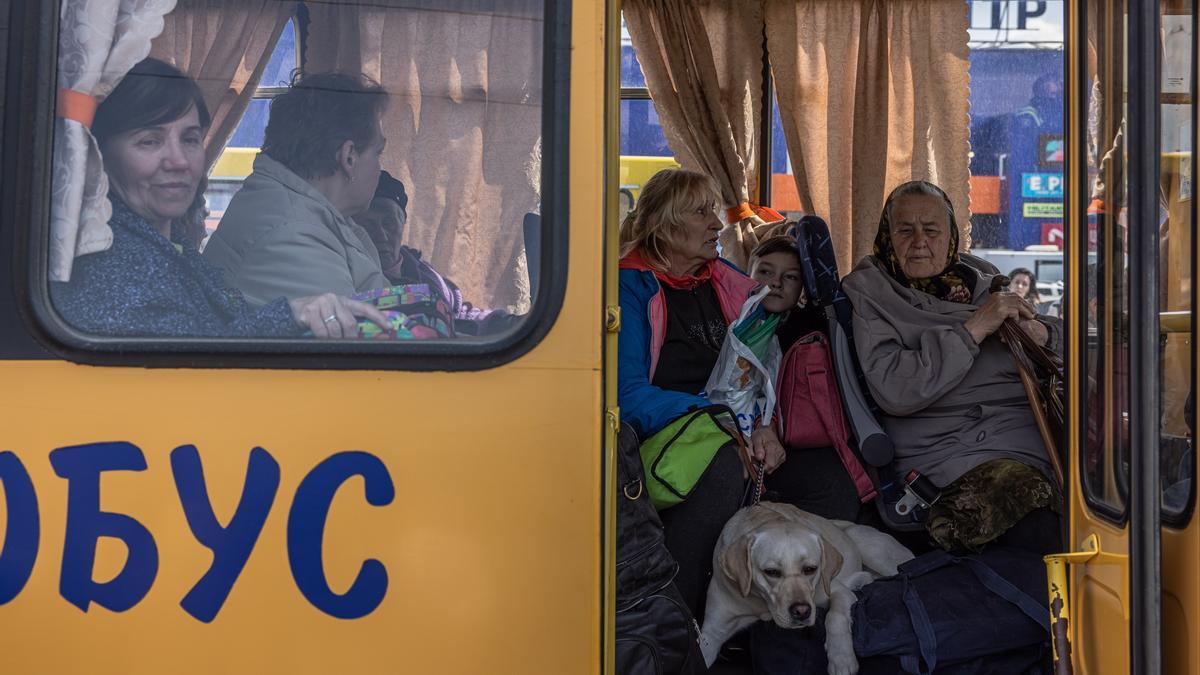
(760, 469)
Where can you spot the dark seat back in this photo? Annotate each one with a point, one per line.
(874, 447)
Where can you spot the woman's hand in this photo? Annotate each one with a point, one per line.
(998, 307)
(333, 316)
(766, 448)
(1036, 330)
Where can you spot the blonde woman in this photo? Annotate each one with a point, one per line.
(677, 301)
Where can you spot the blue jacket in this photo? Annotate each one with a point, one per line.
(144, 286)
(643, 328)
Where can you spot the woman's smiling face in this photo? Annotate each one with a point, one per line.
(156, 170)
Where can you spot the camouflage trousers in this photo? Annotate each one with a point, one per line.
(986, 501)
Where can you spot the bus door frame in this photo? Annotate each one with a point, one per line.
(1126, 549)
(1145, 526)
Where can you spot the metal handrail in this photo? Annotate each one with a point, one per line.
(1175, 322)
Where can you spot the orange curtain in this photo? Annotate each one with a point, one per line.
(872, 93)
(463, 124)
(703, 64)
(225, 46)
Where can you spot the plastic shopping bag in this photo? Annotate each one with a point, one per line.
(744, 377)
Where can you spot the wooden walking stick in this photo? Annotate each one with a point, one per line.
(1029, 356)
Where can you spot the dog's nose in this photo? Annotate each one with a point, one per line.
(800, 610)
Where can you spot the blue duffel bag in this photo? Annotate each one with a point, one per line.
(943, 609)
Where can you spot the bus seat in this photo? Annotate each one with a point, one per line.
(874, 444)
(898, 508)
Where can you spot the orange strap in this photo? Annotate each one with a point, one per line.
(747, 210)
(76, 105)
(739, 213)
(768, 214)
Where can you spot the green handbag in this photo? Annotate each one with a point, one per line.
(677, 456)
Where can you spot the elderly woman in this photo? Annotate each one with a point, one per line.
(677, 301)
(152, 280)
(925, 329)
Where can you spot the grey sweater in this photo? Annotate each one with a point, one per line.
(950, 404)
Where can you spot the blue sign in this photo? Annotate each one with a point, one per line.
(1042, 185)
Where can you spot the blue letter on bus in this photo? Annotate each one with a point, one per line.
(23, 530)
(82, 465)
(306, 530)
(231, 545)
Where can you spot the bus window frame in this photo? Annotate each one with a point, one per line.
(1180, 519)
(1118, 516)
(16, 338)
(34, 126)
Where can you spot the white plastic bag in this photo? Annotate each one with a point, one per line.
(739, 380)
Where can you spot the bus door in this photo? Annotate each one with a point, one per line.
(1132, 601)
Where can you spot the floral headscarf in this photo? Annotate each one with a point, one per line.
(955, 283)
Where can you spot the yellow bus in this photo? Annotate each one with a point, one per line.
(199, 504)
(405, 506)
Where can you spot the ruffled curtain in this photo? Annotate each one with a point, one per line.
(100, 41)
(703, 62)
(224, 45)
(463, 123)
(872, 93)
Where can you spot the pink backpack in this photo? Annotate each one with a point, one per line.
(809, 410)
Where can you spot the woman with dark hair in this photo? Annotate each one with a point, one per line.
(925, 329)
(152, 280)
(1022, 282)
(290, 230)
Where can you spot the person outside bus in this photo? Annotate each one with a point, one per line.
(1044, 109)
(1023, 282)
(925, 329)
(152, 280)
(677, 300)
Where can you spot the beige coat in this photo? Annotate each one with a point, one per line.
(951, 404)
(281, 237)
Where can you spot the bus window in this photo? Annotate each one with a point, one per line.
(644, 148)
(1017, 137)
(291, 171)
(1104, 464)
(1176, 261)
(237, 158)
(1016, 147)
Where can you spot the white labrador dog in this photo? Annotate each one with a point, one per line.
(775, 562)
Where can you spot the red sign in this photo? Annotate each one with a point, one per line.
(1052, 234)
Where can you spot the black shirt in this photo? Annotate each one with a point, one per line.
(800, 322)
(695, 332)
